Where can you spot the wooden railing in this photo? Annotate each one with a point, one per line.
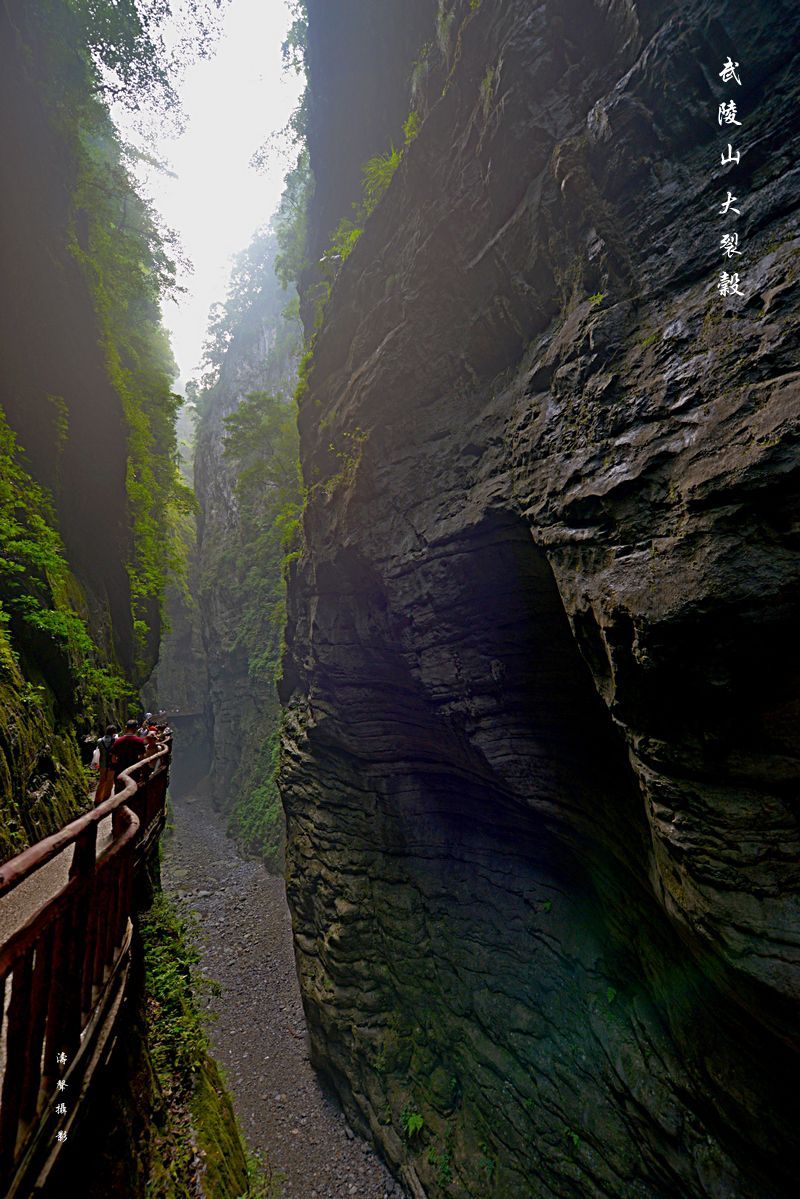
(63, 971)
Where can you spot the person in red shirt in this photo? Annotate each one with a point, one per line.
(126, 750)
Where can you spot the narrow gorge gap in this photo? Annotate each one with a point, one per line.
(443, 523)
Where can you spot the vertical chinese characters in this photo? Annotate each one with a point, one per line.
(727, 115)
(61, 1086)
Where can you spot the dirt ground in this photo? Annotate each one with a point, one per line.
(258, 1037)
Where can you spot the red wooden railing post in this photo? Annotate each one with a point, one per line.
(16, 1053)
(84, 931)
(54, 1031)
(85, 853)
(54, 968)
(40, 986)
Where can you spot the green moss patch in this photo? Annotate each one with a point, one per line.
(198, 1142)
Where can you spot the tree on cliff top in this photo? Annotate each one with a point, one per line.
(137, 47)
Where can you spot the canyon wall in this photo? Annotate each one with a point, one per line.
(235, 572)
(54, 387)
(70, 640)
(87, 489)
(179, 683)
(540, 752)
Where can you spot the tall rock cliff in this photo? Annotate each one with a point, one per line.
(257, 346)
(87, 490)
(54, 388)
(179, 683)
(86, 418)
(540, 758)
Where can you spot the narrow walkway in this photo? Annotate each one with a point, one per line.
(20, 904)
(259, 1035)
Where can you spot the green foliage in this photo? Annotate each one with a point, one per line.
(420, 69)
(487, 1162)
(611, 994)
(377, 173)
(128, 270)
(442, 1161)
(257, 818)
(262, 1181)
(261, 446)
(295, 47)
(345, 236)
(412, 1122)
(349, 458)
(33, 695)
(411, 126)
(122, 41)
(254, 297)
(83, 53)
(304, 368)
(648, 341)
(60, 421)
(295, 59)
(37, 612)
(597, 298)
(291, 222)
(42, 782)
(261, 440)
(195, 1119)
(178, 1042)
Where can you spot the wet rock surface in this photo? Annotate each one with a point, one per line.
(541, 754)
(258, 1035)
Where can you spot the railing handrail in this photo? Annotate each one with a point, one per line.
(29, 860)
(39, 919)
(64, 970)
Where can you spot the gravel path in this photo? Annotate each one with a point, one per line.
(259, 1035)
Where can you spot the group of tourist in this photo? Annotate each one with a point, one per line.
(117, 751)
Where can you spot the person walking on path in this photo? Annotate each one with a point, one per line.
(105, 780)
(127, 750)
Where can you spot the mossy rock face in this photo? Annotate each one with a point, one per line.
(56, 680)
(197, 1149)
(145, 1135)
(198, 1145)
(42, 781)
(540, 676)
(443, 1090)
(219, 1142)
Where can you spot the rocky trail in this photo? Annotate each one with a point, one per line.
(259, 1036)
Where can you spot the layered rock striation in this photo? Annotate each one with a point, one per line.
(540, 757)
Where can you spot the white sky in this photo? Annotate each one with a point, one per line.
(233, 102)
